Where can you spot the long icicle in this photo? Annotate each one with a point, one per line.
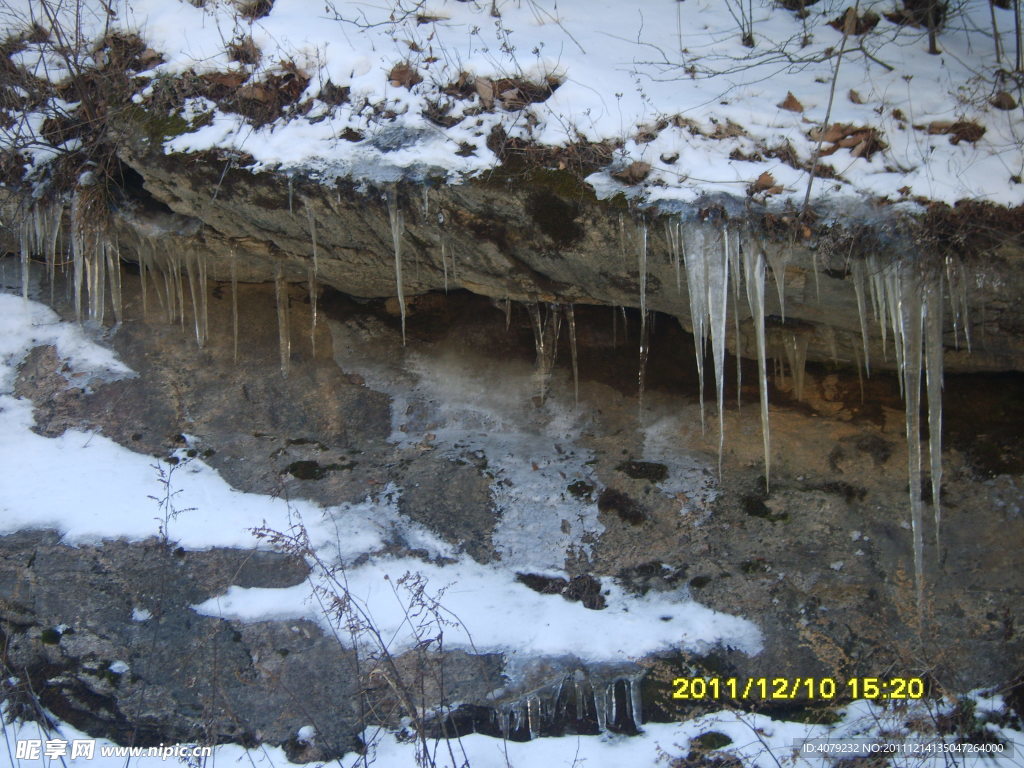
(735, 278)
(397, 227)
(193, 289)
(283, 332)
(754, 268)
(908, 319)
(933, 372)
(114, 277)
(696, 286)
(858, 288)
(571, 316)
(718, 304)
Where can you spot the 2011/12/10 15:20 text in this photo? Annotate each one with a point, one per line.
(787, 688)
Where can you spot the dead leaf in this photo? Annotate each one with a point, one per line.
(404, 75)
(939, 127)
(791, 103)
(255, 93)
(1004, 100)
(633, 173)
(485, 90)
(761, 183)
(855, 97)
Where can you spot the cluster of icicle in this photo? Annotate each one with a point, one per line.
(722, 264)
(575, 704)
(94, 257)
(907, 303)
(906, 298)
(173, 281)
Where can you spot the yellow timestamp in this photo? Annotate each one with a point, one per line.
(788, 688)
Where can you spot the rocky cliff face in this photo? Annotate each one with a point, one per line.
(821, 563)
(534, 234)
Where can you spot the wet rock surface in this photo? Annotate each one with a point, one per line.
(820, 560)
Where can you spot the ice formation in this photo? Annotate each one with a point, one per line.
(397, 221)
(283, 332)
(903, 299)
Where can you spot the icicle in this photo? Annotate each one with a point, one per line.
(777, 260)
(77, 251)
(600, 708)
(717, 266)
(645, 349)
(858, 288)
(613, 708)
(735, 278)
(795, 347)
(906, 295)
(234, 304)
(283, 334)
(291, 195)
(674, 236)
(958, 301)
(571, 316)
(24, 245)
(426, 201)
(51, 250)
(533, 716)
(933, 370)
(635, 703)
(697, 288)
(114, 276)
(508, 314)
(545, 334)
(194, 289)
(179, 288)
(397, 227)
(753, 267)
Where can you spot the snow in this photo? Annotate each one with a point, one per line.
(756, 740)
(661, 80)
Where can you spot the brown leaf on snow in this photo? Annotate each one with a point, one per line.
(1004, 100)
(633, 173)
(404, 75)
(485, 90)
(765, 183)
(855, 97)
(791, 103)
(938, 126)
(761, 183)
(958, 130)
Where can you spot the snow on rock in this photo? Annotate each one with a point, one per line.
(388, 90)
